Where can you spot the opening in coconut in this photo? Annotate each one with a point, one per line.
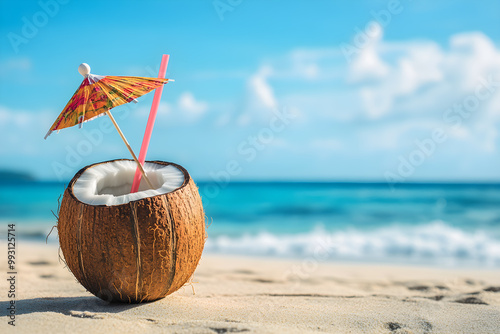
(110, 183)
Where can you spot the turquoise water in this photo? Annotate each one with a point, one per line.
(431, 223)
(29, 204)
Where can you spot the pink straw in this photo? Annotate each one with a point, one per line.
(151, 123)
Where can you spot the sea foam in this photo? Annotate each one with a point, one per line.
(432, 243)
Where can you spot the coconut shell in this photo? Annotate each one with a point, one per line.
(135, 252)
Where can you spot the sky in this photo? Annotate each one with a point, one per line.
(390, 91)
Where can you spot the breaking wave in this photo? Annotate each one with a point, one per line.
(433, 243)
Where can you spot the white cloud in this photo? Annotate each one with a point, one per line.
(14, 122)
(395, 135)
(15, 65)
(400, 89)
(187, 103)
(223, 120)
(10, 118)
(408, 68)
(164, 108)
(309, 65)
(143, 110)
(260, 90)
(259, 99)
(367, 64)
(375, 102)
(390, 77)
(186, 108)
(392, 95)
(425, 72)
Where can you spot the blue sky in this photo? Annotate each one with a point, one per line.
(330, 90)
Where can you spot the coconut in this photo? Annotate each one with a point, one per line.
(131, 247)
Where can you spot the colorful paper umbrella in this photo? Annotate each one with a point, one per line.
(98, 94)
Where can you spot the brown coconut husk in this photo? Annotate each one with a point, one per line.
(135, 252)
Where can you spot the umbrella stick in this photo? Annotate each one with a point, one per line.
(129, 148)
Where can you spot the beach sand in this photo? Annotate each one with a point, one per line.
(236, 294)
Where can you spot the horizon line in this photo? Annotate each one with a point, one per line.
(305, 181)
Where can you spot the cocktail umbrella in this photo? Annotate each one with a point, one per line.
(98, 94)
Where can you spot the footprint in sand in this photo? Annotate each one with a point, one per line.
(436, 298)
(419, 288)
(395, 327)
(262, 280)
(39, 263)
(244, 271)
(471, 300)
(47, 276)
(441, 287)
(228, 330)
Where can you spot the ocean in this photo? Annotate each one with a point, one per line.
(421, 223)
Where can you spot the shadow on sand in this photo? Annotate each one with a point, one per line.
(67, 305)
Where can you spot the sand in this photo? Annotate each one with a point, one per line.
(236, 294)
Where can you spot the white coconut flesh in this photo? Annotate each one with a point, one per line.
(110, 183)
